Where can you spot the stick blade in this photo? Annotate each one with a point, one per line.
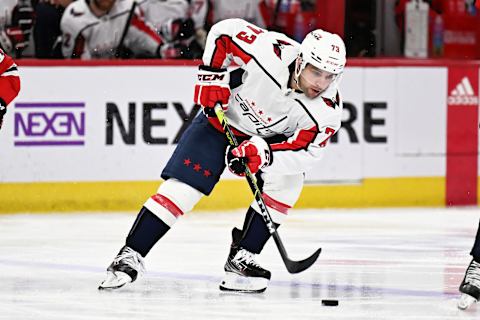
(299, 266)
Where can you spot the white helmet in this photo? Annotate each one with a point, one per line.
(324, 50)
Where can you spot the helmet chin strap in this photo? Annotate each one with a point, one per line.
(298, 68)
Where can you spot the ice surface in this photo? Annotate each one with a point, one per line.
(380, 264)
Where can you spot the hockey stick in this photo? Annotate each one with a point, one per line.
(292, 266)
(118, 49)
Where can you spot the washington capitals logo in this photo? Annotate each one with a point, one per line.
(279, 46)
(332, 103)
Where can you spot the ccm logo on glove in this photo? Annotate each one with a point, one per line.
(255, 153)
(211, 77)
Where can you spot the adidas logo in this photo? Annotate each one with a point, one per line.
(463, 94)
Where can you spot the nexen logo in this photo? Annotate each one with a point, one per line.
(49, 124)
(463, 94)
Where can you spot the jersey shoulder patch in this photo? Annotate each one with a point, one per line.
(333, 102)
(278, 47)
(76, 17)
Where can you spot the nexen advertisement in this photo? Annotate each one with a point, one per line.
(49, 124)
(108, 123)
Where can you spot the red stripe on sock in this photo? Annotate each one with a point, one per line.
(274, 204)
(167, 204)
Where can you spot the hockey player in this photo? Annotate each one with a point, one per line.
(94, 28)
(9, 83)
(284, 105)
(470, 286)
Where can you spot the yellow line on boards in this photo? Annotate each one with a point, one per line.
(227, 195)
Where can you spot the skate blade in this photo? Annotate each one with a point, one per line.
(465, 301)
(115, 280)
(233, 282)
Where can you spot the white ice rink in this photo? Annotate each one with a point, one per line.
(379, 264)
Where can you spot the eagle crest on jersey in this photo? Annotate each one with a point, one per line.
(278, 47)
(332, 103)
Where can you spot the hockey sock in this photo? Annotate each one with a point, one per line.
(255, 232)
(146, 231)
(476, 246)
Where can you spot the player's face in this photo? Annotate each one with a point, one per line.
(104, 5)
(313, 81)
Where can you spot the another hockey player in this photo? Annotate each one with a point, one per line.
(470, 286)
(9, 83)
(94, 28)
(284, 105)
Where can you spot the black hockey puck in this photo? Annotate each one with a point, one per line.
(330, 303)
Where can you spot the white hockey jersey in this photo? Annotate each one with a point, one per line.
(87, 36)
(263, 104)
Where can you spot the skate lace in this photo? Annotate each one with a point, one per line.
(247, 257)
(131, 258)
(473, 274)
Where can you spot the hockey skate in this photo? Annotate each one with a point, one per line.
(125, 268)
(470, 287)
(242, 273)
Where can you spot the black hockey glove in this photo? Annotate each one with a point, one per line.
(3, 110)
(235, 165)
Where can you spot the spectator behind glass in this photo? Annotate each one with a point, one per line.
(46, 31)
(172, 20)
(93, 29)
(16, 21)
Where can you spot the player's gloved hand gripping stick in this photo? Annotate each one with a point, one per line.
(292, 266)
